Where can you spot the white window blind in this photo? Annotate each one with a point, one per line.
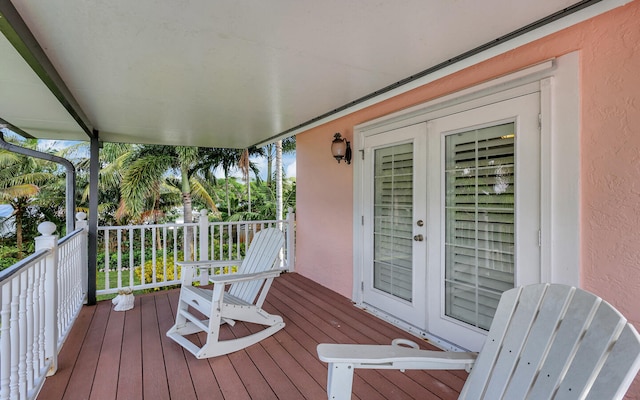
(479, 222)
(393, 215)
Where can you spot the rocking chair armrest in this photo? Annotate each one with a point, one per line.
(208, 263)
(232, 278)
(189, 269)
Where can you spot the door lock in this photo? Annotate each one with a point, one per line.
(420, 222)
(418, 238)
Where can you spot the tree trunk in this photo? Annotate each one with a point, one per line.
(226, 188)
(18, 215)
(249, 192)
(269, 165)
(187, 215)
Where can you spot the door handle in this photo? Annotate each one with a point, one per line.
(418, 238)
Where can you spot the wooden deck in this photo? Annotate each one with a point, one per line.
(126, 355)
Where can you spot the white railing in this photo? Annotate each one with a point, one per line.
(41, 297)
(144, 256)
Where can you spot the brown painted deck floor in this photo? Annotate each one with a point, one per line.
(126, 355)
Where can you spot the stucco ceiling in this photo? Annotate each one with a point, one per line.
(232, 73)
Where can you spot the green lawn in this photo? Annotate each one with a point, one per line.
(113, 282)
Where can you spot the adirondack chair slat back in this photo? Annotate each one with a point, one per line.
(261, 256)
(554, 341)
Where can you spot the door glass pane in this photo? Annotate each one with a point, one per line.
(479, 222)
(393, 216)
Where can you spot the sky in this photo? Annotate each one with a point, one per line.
(288, 160)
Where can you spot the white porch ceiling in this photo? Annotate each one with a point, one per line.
(232, 73)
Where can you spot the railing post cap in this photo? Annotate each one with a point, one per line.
(81, 216)
(203, 212)
(47, 228)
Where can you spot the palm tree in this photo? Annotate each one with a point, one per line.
(20, 181)
(227, 160)
(148, 170)
(275, 150)
(113, 158)
(287, 146)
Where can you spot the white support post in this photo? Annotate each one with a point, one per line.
(203, 227)
(291, 239)
(82, 223)
(49, 241)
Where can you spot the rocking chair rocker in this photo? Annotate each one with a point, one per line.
(241, 302)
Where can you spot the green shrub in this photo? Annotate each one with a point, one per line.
(160, 277)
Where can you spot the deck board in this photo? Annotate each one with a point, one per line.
(67, 359)
(154, 373)
(84, 370)
(108, 368)
(130, 371)
(126, 355)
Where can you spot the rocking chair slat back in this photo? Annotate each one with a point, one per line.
(263, 249)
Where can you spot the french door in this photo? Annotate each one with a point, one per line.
(484, 211)
(394, 224)
(454, 217)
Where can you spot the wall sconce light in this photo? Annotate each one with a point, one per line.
(341, 148)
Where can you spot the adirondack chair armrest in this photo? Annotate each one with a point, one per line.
(343, 359)
(394, 357)
(233, 278)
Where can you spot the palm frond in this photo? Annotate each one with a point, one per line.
(8, 158)
(199, 191)
(34, 178)
(18, 191)
(141, 178)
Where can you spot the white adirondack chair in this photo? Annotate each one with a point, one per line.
(241, 302)
(546, 341)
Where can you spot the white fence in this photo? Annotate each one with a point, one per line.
(41, 297)
(145, 256)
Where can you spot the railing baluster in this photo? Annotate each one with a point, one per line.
(15, 338)
(5, 340)
(154, 276)
(30, 326)
(22, 338)
(143, 272)
(212, 241)
(118, 257)
(106, 259)
(131, 259)
(175, 244)
(164, 254)
(42, 317)
(221, 242)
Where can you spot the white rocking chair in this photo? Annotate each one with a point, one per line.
(241, 302)
(546, 341)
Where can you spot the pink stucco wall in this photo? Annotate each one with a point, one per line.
(609, 48)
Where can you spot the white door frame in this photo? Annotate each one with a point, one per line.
(557, 81)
